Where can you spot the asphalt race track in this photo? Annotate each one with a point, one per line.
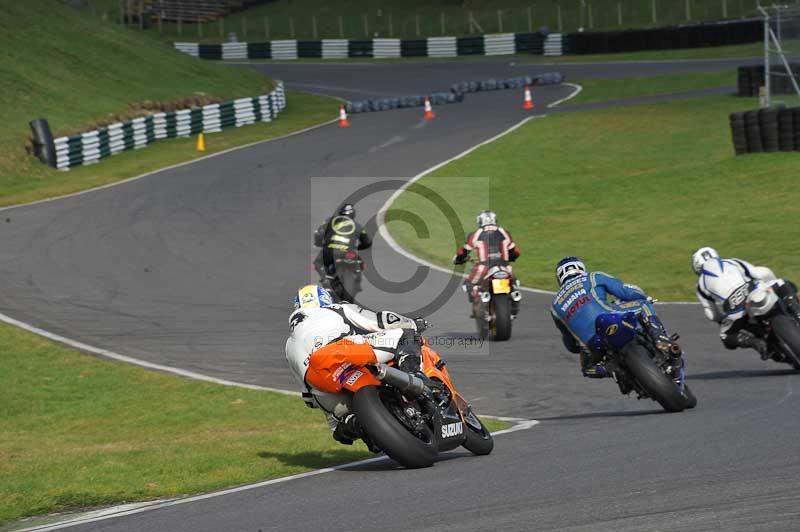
(195, 267)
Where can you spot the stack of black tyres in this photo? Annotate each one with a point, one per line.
(766, 130)
(768, 126)
(796, 113)
(739, 133)
(753, 132)
(786, 129)
(751, 77)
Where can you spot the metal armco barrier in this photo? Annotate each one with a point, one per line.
(90, 147)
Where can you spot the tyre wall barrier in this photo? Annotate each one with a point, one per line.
(454, 95)
(551, 44)
(667, 38)
(766, 130)
(750, 79)
(91, 146)
(491, 44)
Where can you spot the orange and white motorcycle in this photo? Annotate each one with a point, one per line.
(409, 418)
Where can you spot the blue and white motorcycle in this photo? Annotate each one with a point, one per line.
(643, 359)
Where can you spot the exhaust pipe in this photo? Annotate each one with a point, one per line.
(405, 382)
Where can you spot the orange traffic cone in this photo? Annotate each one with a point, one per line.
(428, 110)
(343, 121)
(528, 104)
(201, 142)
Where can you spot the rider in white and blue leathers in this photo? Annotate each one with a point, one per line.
(723, 281)
(583, 297)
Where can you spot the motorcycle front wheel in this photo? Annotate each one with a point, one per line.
(788, 332)
(479, 441)
(389, 434)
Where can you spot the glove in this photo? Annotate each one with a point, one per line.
(422, 324)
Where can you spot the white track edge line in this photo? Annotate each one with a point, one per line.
(129, 509)
(578, 89)
(143, 363)
(380, 218)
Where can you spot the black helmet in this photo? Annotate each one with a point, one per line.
(348, 210)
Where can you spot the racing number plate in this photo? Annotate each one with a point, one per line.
(501, 286)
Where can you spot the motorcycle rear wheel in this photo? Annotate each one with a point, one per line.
(386, 431)
(788, 332)
(501, 326)
(655, 382)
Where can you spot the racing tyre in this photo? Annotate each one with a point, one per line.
(386, 431)
(787, 331)
(501, 326)
(479, 441)
(658, 385)
(690, 401)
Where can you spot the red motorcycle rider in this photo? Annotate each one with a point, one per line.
(493, 245)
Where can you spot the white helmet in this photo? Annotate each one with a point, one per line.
(486, 218)
(312, 296)
(701, 256)
(569, 267)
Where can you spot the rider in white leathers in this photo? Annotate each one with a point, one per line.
(317, 321)
(718, 280)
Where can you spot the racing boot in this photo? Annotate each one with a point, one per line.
(347, 430)
(467, 287)
(591, 368)
(745, 338)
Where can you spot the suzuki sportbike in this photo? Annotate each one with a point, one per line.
(495, 303)
(411, 419)
(776, 319)
(643, 359)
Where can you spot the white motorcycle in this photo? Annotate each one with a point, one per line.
(775, 319)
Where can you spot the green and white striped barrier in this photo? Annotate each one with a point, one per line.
(90, 147)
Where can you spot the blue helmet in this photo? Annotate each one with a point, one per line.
(569, 267)
(312, 296)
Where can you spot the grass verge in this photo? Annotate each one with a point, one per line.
(597, 90)
(75, 71)
(78, 432)
(633, 191)
(303, 110)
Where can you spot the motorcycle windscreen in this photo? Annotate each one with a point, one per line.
(340, 365)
